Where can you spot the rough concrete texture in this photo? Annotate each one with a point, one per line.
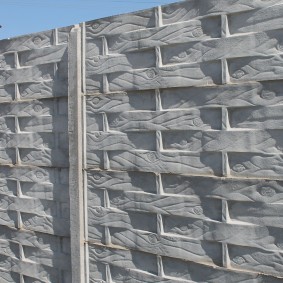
(34, 158)
(174, 166)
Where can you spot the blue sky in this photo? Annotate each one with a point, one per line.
(26, 16)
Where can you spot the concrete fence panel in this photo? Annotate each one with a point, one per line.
(145, 147)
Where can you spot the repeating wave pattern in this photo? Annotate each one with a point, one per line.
(183, 133)
(34, 159)
(182, 156)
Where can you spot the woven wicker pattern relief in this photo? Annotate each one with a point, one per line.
(174, 170)
(183, 131)
(34, 196)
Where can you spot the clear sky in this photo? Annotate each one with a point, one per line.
(26, 16)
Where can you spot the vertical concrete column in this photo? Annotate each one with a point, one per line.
(75, 147)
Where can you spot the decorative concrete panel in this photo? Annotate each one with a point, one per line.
(34, 156)
(145, 147)
(183, 134)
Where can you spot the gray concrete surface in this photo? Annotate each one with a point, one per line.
(145, 147)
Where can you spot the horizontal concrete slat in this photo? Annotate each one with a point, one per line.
(44, 157)
(120, 63)
(256, 165)
(27, 42)
(110, 217)
(236, 189)
(210, 274)
(167, 205)
(141, 121)
(257, 213)
(258, 68)
(231, 95)
(37, 73)
(257, 260)
(48, 258)
(188, 249)
(267, 18)
(257, 44)
(172, 34)
(269, 141)
(46, 224)
(268, 238)
(119, 102)
(121, 181)
(32, 140)
(40, 207)
(123, 258)
(42, 56)
(28, 268)
(165, 162)
(35, 174)
(167, 76)
(27, 109)
(257, 117)
(192, 9)
(121, 141)
(43, 124)
(121, 275)
(46, 89)
(120, 23)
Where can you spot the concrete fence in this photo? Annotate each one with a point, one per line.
(145, 147)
